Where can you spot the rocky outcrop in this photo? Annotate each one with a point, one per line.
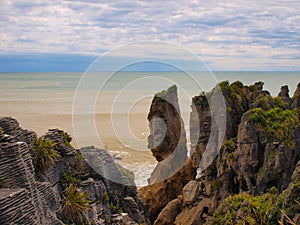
(291, 196)
(190, 192)
(11, 127)
(62, 140)
(284, 95)
(167, 139)
(17, 171)
(262, 164)
(11, 201)
(30, 195)
(167, 133)
(170, 212)
(296, 98)
(259, 155)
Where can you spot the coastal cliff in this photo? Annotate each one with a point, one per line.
(255, 174)
(254, 179)
(46, 181)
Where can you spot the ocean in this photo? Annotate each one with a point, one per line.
(40, 101)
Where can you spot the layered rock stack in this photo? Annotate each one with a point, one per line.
(12, 128)
(167, 139)
(31, 195)
(11, 200)
(259, 154)
(173, 171)
(17, 172)
(296, 98)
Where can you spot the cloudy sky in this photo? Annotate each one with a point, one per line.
(228, 35)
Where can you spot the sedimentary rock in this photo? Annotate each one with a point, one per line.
(29, 195)
(11, 127)
(17, 171)
(296, 98)
(16, 206)
(284, 94)
(168, 215)
(62, 141)
(190, 192)
(291, 202)
(167, 139)
(250, 159)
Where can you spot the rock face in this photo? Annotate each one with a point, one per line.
(11, 200)
(170, 212)
(17, 171)
(190, 192)
(296, 98)
(259, 154)
(29, 195)
(167, 133)
(284, 94)
(12, 128)
(167, 139)
(292, 197)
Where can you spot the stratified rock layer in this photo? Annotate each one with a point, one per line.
(167, 139)
(32, 196)
(253, 159)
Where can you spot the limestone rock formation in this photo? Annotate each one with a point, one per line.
(291, 195)
(172, 172)
(31, 195)
(259, 154)
(12, 128)
(13, 199)
(190, 192)
(167, 132)
(296, 98)
(284, 94)
(17, 171)
(167, 139)
(170, 212)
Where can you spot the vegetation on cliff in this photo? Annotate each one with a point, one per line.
(278, 124)
(255, 179)
(251, 178)
(248, 209)
(43, 153)
(75, 203)
(46, 181)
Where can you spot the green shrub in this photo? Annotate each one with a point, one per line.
(260, 210)
(75, 203)
(104, 198)
(70, 179)
(279, 103)
(264, 101)
(67, 138)
(79, 164)
(278, 124)
(44, 153)
(271, 154)
(162, 96)
(229, 145)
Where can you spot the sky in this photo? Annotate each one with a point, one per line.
(69, 35)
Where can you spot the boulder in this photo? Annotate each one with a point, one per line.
(190, 192)
(168, 215)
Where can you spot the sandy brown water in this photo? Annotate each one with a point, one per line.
(40, 110)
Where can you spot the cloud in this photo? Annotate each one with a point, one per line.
(222, 32)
